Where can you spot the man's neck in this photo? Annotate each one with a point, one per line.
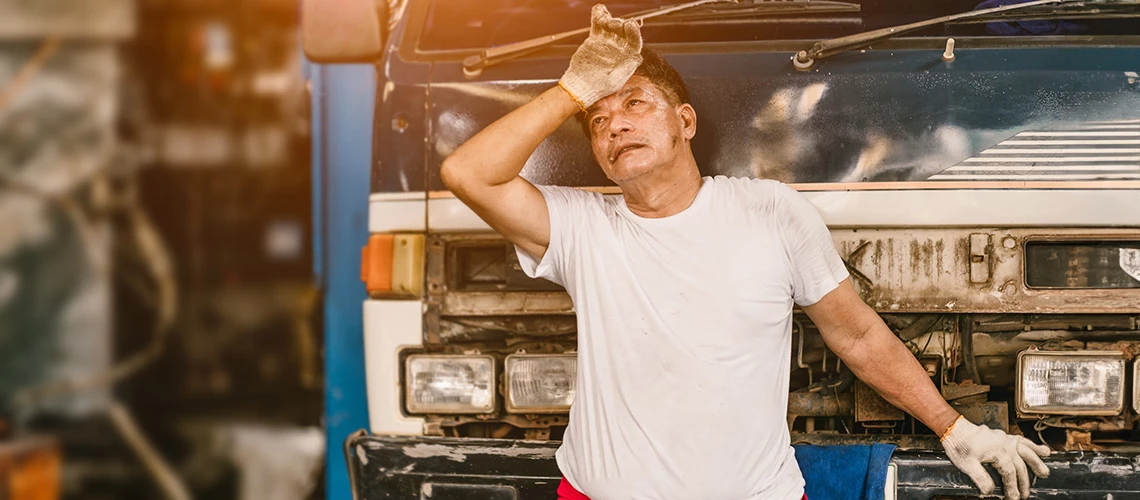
(655, 197)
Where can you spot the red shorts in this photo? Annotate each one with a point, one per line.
(567, 492)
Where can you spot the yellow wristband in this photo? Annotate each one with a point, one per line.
(948, 429)
(572, 96)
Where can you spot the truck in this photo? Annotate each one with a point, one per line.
(978, 166)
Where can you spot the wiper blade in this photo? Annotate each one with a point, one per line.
(766, 8)
(475, 64)
(805, 59)
(1115, 9)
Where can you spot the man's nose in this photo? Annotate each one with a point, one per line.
(619, 124)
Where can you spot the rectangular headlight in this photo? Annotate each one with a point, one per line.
(539, 383)
(449, 384)
(1136, 385)
(1070, 382)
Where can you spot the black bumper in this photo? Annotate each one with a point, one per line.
(493, 469)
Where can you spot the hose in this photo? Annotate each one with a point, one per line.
(171, 485)
(966, 334)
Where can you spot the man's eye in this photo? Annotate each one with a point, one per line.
(597, 120)
(633, 102)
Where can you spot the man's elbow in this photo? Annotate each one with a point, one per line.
(452, 175)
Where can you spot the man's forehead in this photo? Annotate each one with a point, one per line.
(632, 88)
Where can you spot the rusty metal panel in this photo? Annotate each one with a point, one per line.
(932, 270)
(979, 258)
(945, 270)
(498, 303)
(819, 404)
(456, 300)
(993, 414)
(871, 407)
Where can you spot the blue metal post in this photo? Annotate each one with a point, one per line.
(342, 105)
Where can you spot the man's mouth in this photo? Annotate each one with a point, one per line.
(622, 150)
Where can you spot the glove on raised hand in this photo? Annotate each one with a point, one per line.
(605, 61)
(969, 446)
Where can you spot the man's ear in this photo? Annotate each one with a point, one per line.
(688, 120)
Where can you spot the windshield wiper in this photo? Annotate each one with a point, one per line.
(805, 59)
(766, 8)
(473, 65)
(1114, 9)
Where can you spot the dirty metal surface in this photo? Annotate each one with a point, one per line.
(871, 407)
(501, 303)
(477, 469)
(484, 281)
(819, 404)
(475, 328)
(923, 475)
(416, 467)
(992, 414)
(968, 270)
(902, 441)
(951, 391)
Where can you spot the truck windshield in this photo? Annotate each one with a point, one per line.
(464, 25)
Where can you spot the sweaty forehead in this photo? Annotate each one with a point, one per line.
(634, 90)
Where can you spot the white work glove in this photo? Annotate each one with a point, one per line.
(605, 61)
(969, 446)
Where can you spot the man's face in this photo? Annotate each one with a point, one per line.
(637, 129)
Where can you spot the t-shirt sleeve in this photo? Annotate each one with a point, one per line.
(816, 267)
(567, 207)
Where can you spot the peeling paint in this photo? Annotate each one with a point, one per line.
(361, 455)
(460, 453)
(929, 270)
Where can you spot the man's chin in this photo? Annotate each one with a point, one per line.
(626, 173)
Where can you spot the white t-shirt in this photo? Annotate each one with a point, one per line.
(684, 335)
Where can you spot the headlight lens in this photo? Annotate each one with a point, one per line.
(449, 384)
(1070, 383)
(541, 383)
(1136, 385)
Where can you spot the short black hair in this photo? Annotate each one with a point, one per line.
(657, 70)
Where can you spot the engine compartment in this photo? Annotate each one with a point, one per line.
(960, 299)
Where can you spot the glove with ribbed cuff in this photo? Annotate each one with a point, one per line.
(605, 61)
(969, 446)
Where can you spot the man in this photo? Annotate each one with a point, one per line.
(684, 288)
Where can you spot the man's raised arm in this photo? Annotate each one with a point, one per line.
(484, 171)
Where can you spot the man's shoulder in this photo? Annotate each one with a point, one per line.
(572, 200)
(569, 194)
(748, 189)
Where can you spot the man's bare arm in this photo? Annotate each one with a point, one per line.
(857, 334)
(484, 171)
(860, 338)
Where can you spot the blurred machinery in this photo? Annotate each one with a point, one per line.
(156, 300)
(216, 107)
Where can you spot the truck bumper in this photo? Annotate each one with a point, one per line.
(413, 467)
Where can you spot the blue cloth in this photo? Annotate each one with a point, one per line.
(1040, 27)
(855, 472)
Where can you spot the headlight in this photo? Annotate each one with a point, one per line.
(541, 383)
(1136, 385)
(1070, 382)
(449, 384)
